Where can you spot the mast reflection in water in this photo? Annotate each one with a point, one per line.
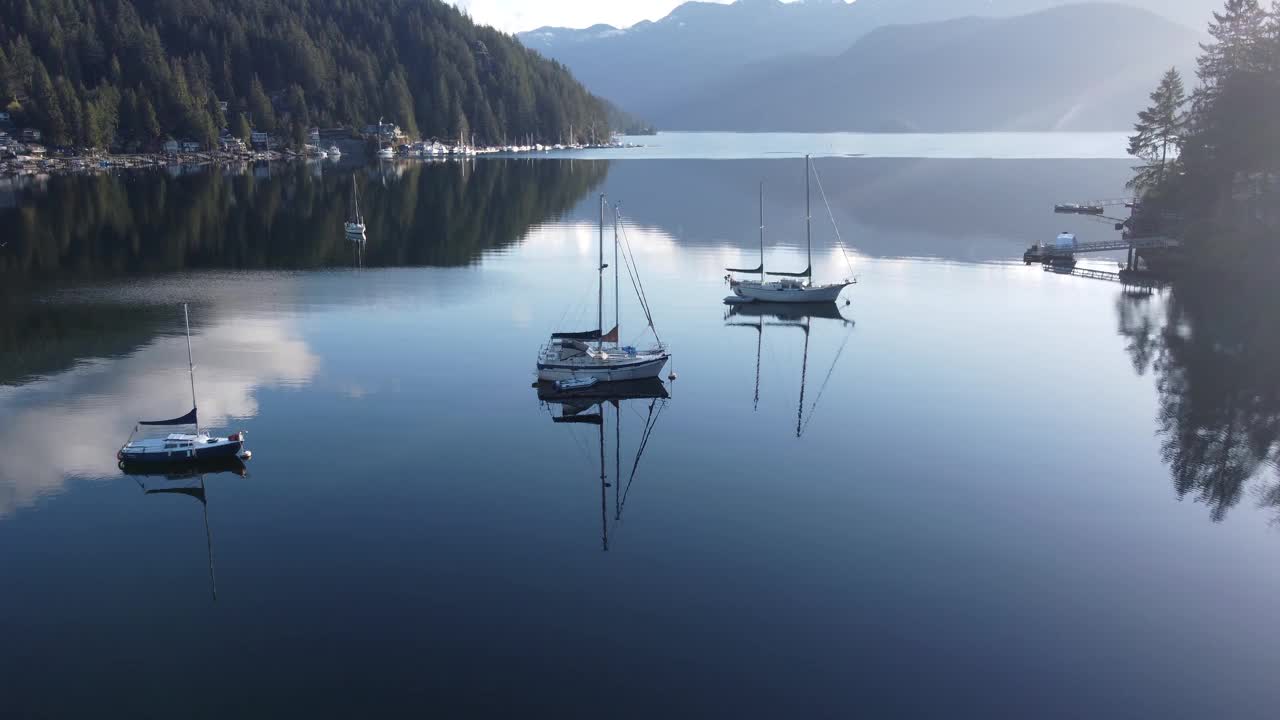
(188, 480)
(588, 407)
(799, 316)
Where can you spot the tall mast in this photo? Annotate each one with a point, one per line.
(617, 322)
(762, 231)
(808, 217)
(600, 292)
(191, 365)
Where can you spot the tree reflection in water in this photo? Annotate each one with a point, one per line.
(288, 216)
(1213, 351)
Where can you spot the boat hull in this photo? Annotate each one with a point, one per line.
(778, 293)
(638, 369)
(222, 450)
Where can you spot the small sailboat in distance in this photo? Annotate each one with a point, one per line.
(569, 357)
(793, 287)
(180, 448)
(355, 226)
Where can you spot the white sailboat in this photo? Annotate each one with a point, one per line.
(791, 287)
(355, 226)
(594, 354)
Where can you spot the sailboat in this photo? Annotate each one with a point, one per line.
(384, 152)
(789, 315)
(793, 287)
(570, 357)
(355, 226)
(588, 407)
(182, 448)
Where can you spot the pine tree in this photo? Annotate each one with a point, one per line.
(242, 128)
(1158, 132)
(263, 117)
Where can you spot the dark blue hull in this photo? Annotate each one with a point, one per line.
(222, 451)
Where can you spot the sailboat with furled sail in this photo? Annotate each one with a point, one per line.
(181, 448)
(581, 359)
(792, 287)
(355, 226)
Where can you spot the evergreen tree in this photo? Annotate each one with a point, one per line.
(242, 129)
(1158, 132)
(263, 116)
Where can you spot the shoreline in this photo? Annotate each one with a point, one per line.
(108, 162)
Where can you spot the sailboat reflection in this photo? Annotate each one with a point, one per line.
(187, 480)
(799, 316)
(588, 406)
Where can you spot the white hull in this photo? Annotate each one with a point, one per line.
(386, 154)
(641, 367)
(789, 293)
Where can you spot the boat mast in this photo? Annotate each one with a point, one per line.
(617, 322)
(762, 231)
(191, 365)
(600, 292)
(808, 219)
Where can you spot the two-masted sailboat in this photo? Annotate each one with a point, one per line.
(182, 448)
(355, 226)
(584, 358)
(792, 287)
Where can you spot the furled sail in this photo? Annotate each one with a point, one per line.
(590, 419)
(808, 272)
(188, 419)
(747, 270)
(611, 336)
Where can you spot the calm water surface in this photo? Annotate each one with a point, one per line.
(977, 490)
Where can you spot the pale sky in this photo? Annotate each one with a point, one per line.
(517, 15)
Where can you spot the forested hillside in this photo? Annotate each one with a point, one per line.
(90, 71)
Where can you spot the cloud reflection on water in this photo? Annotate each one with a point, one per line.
(70, 424)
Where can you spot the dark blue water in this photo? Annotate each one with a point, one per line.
(977, 490)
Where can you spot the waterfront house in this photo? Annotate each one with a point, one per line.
(36, 150)
(260, 140)
(171, 147)
(191, 146)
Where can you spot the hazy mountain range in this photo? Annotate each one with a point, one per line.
(885, 64)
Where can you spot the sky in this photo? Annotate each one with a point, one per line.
(517, 15)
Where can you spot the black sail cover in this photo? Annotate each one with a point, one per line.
(586, 335)
(188, 419)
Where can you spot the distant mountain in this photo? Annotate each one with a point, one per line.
(1075, 67)
(646, 67)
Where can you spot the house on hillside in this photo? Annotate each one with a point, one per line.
(171, 147)
(313, 136)
(30, 135)
(190, 146)
(260, 140)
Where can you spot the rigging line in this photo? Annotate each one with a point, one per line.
(644, 297)
(650, 424)
(831, 215)
(827, 379)
(633, 272)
